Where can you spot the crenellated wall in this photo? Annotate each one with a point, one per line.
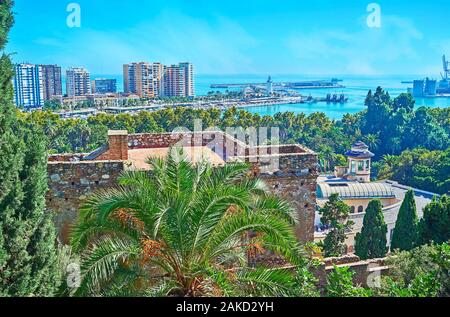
(289, 170)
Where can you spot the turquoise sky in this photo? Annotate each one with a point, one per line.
(232, 37)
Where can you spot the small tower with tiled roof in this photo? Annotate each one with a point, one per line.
(359, 162)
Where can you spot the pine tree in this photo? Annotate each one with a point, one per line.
(405, 232)
(28, 258)
(371, 242)
(335, 214)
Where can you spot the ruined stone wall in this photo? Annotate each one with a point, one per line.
(294, 179)
(65, 157)
(70, 183)
(365, 272)
(289, 170)
(301, 192)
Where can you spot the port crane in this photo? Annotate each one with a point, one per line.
(446, 64)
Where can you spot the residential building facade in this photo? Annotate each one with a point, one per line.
(142, 79)
(179, 80)
(28, 86)
(78, 82)
(52, 82)
(153, 80)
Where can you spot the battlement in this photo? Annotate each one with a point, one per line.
(290, 170)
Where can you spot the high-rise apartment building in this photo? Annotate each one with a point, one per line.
(187, 79)
(143, 79)
(150, 80)
(179, 80)
(78, 82)
(104, 86)
(28, 86)
(172, 81)
(52, 83)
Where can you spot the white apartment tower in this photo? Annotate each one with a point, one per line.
(78, 82)
(28, 86)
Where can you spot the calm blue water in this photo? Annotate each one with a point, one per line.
(356, 88)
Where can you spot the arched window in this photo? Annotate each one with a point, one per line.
(360, 209)
(352, 209)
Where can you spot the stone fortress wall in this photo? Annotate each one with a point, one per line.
(291, 171)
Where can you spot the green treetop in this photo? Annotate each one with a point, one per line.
(371, 242)
(405, 233)
(435, 224)
(335, 214)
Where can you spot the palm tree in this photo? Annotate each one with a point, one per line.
(389, 160)
(372, 141)
(185, 230)
(327, 156)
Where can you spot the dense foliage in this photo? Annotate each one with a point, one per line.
(335, 215)
(28, 257)
(185, 230)
(371, 242)
(419, 168)
(435, 223)
(421, 272)
(406, 229)
(340, 284)
(389, 126)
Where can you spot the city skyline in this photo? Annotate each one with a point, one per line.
(249, 37)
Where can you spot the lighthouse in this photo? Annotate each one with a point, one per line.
(269, 87)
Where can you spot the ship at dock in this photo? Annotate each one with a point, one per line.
(432, 88)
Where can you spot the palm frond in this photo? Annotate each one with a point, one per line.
(266, 282)
(101, 260)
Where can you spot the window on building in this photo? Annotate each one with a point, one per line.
(353, 167)
(360, 209)
(352, 209)
(368, 165)
(360, 166)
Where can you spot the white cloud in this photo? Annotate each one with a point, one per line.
(219, 47)
(360, 51)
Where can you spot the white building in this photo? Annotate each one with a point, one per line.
(28, 86)
(78, 82)
(352, 184)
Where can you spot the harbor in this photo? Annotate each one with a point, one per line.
(432, 88)
(314, 84)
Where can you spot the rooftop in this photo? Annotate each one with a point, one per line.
(360, 150)
(354, 190)
(138, 157)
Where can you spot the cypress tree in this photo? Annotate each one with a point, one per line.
(435, 224)
(405, 232)
(28, 256)
(371, 242)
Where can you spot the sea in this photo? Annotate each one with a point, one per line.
(356, 89)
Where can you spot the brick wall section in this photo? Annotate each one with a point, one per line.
(117, 146)
(70, 183)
